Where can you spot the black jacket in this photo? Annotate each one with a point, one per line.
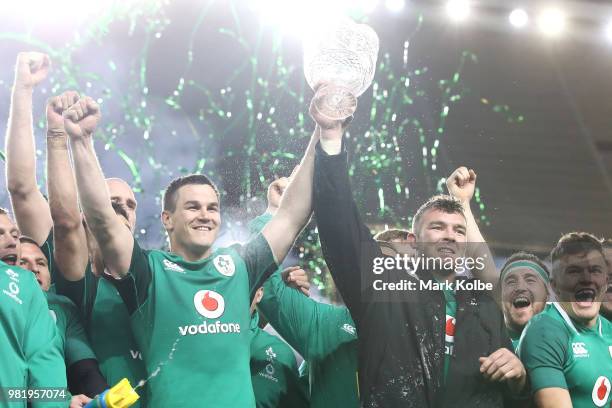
(401, 333)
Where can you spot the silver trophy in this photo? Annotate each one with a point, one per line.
(342, 58)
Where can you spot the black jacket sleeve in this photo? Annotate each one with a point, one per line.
(84, 377)
(346, 242)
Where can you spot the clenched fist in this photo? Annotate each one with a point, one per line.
(31, 69)
(55, 108)
(81, 119)
(461, 184)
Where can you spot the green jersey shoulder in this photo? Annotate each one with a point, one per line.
(559, 352)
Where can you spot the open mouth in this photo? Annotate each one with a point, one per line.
(585, 297)
(10, 259)
(203, 228)
(446, 251)
(521, 302)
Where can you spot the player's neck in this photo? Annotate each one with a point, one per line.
(191, 254)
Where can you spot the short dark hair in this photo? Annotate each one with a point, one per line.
(575, 243)
(390, 234)
(442, 202)
(177, 183)
(524, 256)
(24, 239)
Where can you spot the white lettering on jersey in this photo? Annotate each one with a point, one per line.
(13, 286)
(136, 355)
(580, 350)
(171, 266)
(225, 265)
(209, 328)
(601, 391)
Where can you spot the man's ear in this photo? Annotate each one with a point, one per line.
(166, 220)
(411, 238)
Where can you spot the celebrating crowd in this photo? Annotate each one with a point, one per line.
(83, 305)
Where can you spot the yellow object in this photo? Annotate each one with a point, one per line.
(122, 395)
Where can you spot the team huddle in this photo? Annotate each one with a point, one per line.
(84, 306)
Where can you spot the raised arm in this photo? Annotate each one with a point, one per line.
(295, 206)
(113, 237)
(346, 242)
(29, 205)
(461, 185)
(70, 246)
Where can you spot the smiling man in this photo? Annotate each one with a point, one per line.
(423, 348)
(566, 348)
(189, 307)
(524, 286)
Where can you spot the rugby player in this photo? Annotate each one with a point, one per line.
(57, 225)
(83, 374)
(566, 348)
(323, 334)
(524, 288)
(414, 351)
(189, 307)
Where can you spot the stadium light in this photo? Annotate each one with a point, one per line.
(551, 22)
(518, 18)
(395, 5)
(299, 17)
(458, 10)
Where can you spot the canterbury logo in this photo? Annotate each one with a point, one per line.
(579, 350)
(169, 265)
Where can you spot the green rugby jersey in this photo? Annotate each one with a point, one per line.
(274, 371)
(71, 339)
(192, 320)
(323, 334)
(558, 352)
(29, 357)
(107, 322)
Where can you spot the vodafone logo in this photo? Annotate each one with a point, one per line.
(450, 329)
(601, 391)
(209, 304)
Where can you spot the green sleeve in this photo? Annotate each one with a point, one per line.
(134, 287)
(260, 264)
(76, 347)
(312, 328)
(543, 351)
(82, 292)
(258, 223)
(45, 364)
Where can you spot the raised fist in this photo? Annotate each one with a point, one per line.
(31, 68)
(81, 119)
(297, 278)
(55, 108)
(275, 192)
(461, 184)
